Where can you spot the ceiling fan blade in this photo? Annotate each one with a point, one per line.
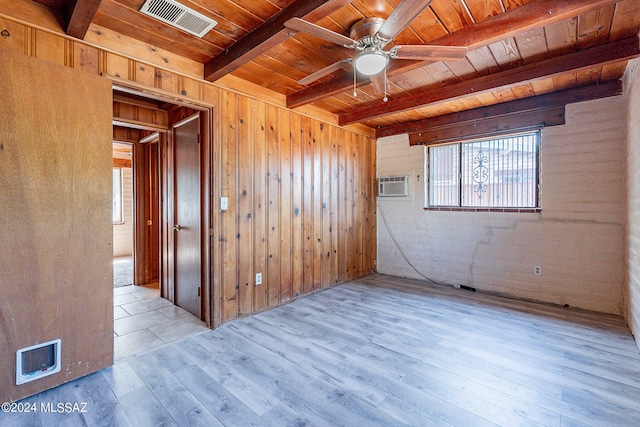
(401, 17)
(428, 52)
(318, 31)
(326, 70)
(378, 82)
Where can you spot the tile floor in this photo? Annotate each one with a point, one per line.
(143, 321)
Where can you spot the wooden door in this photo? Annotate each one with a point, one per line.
(147, 212)
(56, 233)
(187, 214)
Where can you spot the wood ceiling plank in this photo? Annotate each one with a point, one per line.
(441, 74)
(118, 17)
(79, 16)
(421, 78)
(542, 86)
(610, 53)
(613, 71)
(565, 81)
(532, 46)
(483, 61)
(120, 27)
(452, 14)
(551, 100)
(535, 14)
(427, 26)
(594, 26)
(506, 53)
(463, 69)
(626, 20)
(562, 37)
(346, 17)
(590, 76)
(511, 4)
(523, 91)
(481, 10)
(263, 9)
(268, 35)
(223, 34)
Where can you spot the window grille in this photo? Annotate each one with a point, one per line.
(491, 173)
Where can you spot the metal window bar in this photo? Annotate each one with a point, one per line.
(501, 173)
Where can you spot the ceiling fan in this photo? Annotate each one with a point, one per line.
(369, 36)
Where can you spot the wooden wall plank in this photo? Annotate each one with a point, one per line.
(286, 181)
(260, 206)
(326, 258)
(228, 240)
(307, 177)
(297, 205)
(316, 144)
(245, 208)
(343, 146)
(273, 214)
(335, 203)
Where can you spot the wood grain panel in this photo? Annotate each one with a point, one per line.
(228, 240)
(316, 188)
(55, 277)
(245, 208)
(260, 205)
(286, 182)
(273, 214)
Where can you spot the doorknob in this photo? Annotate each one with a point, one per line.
(177, 227)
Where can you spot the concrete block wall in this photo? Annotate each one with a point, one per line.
(577, 238)
(632, 283)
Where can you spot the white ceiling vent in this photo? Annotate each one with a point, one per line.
(180, 16)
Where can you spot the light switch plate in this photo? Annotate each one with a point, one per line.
(224, 203)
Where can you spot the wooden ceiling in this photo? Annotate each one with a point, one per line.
(517, 49)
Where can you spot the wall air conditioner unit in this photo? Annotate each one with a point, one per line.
(393, 186)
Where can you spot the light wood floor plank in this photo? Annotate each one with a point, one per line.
(379, 351)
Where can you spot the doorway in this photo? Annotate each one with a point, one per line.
(170, 158)
(122, 213)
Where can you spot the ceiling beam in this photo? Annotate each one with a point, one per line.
(532, 15)
(268, 35)
(621, 50)
(431, 130)
(80, 14)
(549, 100)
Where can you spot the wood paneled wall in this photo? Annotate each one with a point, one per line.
(301, 189)
(301, 205)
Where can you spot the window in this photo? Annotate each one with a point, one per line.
(117, 196)
(494, 173)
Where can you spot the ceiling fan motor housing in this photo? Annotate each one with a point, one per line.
(364, 31)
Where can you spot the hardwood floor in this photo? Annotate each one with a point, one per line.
(380, 351)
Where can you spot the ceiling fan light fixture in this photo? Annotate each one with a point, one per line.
(370, 62)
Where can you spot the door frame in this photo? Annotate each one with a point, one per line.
(206, 112)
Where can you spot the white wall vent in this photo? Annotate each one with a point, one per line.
(178, 15)
(393, 186)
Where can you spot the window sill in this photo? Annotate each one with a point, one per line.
(461, 209)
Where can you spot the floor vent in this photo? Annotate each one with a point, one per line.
(179, 16)
(393, 186)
